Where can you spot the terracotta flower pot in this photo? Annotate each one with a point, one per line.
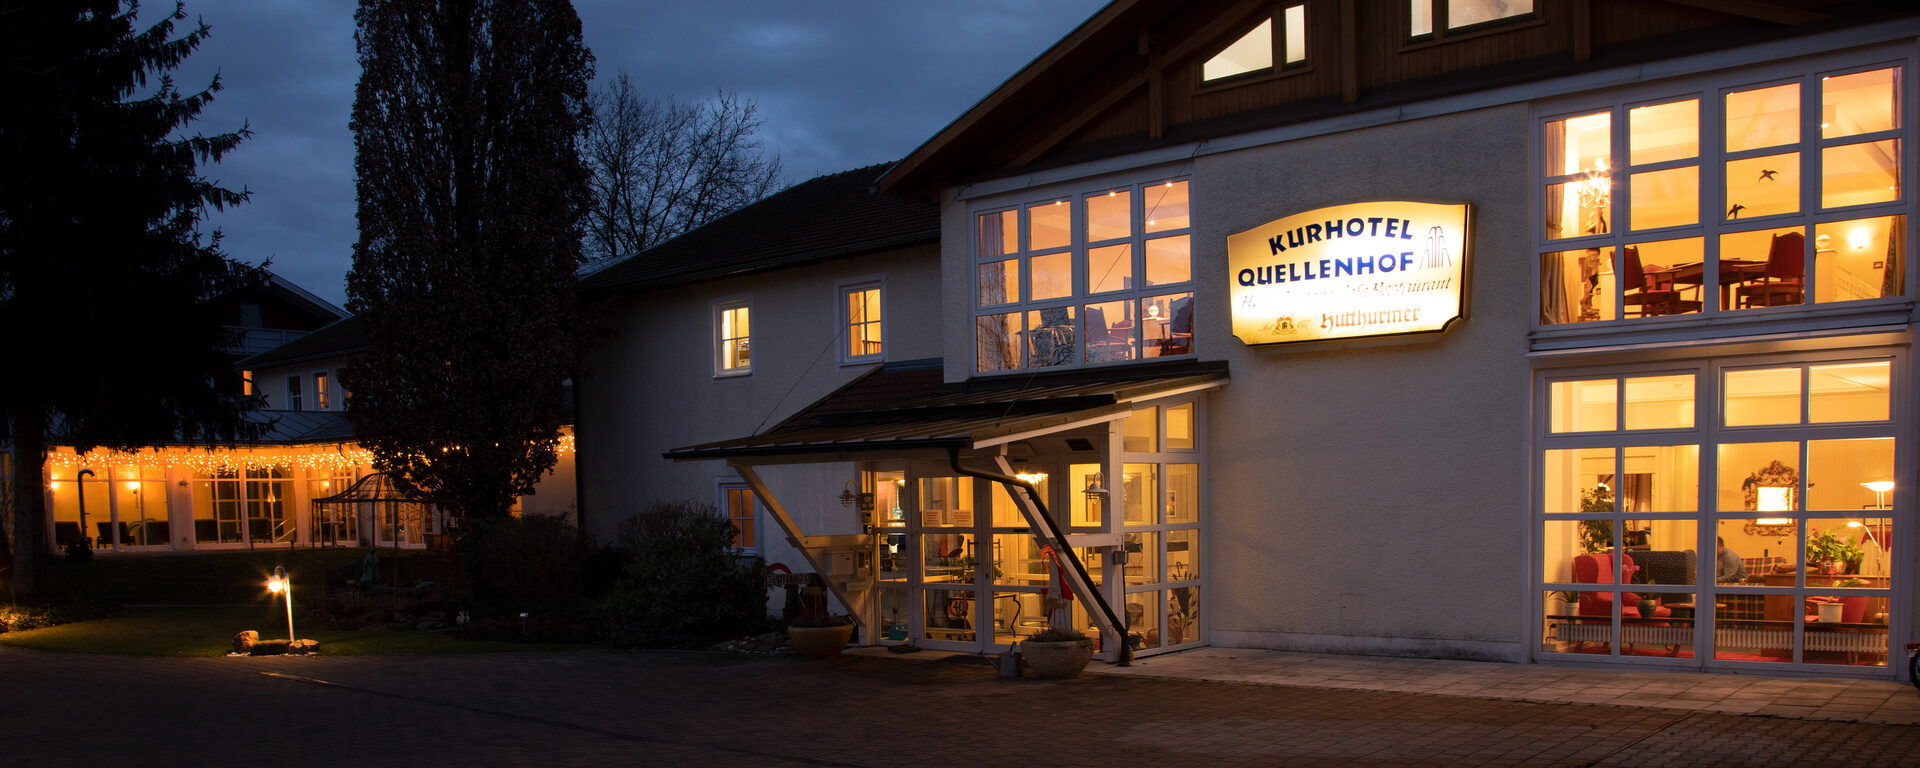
(1057, 660)
(820, 642)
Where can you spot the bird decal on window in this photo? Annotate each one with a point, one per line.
(1766, 175)
(1734, 212)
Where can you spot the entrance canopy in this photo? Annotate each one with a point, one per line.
(904, 409)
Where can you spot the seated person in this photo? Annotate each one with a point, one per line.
(1727, 567)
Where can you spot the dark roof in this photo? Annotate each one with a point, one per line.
(298, 427)
(339, 338)
(823, 218)
(905, 405)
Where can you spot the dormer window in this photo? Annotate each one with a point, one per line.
(1285, 32)
(1451, 15)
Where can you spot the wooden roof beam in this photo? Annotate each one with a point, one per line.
(1069, 127)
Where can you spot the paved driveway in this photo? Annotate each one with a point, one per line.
(683, 709)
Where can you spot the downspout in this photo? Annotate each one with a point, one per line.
(1053, 532)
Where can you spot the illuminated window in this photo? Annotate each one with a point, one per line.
(1722, 198)
(1426, 15)
(736, 499)
(246, 383)
(1253, 51)
(320, 391)
(733, 354)
(1104, 276)
(293, 393)
(860, 316)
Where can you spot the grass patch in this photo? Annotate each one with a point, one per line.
(209, 631)
(202, 578)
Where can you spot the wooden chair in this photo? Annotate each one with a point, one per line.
(1653, 294)
(1784, 281)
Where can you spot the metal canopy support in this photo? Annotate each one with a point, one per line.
(817, 551)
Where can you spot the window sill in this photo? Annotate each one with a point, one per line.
(1733, 324)
(848, 362)
(733, 374)
(1205, 87)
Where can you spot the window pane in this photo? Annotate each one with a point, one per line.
(1251, 53)
(1663, 551)
(1169, 260)
(1764, 117)
(1109, 215)
(1864, 102)
(1006, 511)
(1579, 144)
(1578, 208)
(949, 614)
(1110, 268)
(1140, 488)
(1838, 472)
(1660, 402)
(999, 234)
(1761, 186)
(1583, 406)
(1462, 13)
(1109, 332)
(1296, 27)
(1166, 206)
(1767, 396)
(1662, 132)
(1052, 275)
(1662, 277)
(1050, 337)
(1183, 492)
(1180, 427)
(1086, 509)
(1576, 287)
(1050, 224)
(1140, 432)
(999, 282)
(1168, 324)
(1859, 259)
(1762, 268)
(1668, 198)
(863, 322)
(1143, 617)
(1143, 558)
(994, 337)
(1759, 478)
(1578, 480)
(1849, 392)
(1856, 174)
(1016, 560)
(1183, 610)
(947, 502)
(1659, 478)
(1421, 13)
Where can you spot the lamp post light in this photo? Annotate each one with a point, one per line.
(279, 584)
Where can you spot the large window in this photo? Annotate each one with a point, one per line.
(1253, 52)
(732, 353)
(243, 506)
(1427, 16)
(1098, 277)
(736, 499)
(1728, 197)
(1736, 511)
(320, 391)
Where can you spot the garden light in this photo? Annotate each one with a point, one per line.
(280, 585)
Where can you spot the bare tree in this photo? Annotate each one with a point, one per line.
(663, 167)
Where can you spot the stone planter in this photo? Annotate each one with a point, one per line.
(820, 642)
(1057, 660)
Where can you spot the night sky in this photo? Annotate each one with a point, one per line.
(840, 85)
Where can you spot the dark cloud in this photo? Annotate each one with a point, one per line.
(840, 85)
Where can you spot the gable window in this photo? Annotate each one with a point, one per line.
(1285, 32)
(1450, 15)
(293, 393)
(320, 391)
(1104, 276)
(731, 332)
(736, 499)
(1724, 198)
(860, 313)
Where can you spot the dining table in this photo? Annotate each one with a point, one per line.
(1732, 272)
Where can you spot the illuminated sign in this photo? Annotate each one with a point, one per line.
(1349, 271)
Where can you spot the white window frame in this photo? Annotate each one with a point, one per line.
(842, 291)
(1277, 47)
(725, 486)
(719, 308)
(293, 392)
(1710, 89)
(320, 393)
(1443, 29)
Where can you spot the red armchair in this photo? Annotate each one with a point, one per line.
(1598, 569)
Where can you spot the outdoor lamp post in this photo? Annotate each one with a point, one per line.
(280, 585)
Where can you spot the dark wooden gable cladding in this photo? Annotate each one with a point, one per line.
(1133, 81)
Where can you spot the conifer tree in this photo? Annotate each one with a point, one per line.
(112, 302)
(466, 124)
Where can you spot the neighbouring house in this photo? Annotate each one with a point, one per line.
(1455, 328)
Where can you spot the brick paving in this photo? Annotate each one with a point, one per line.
(687, 709)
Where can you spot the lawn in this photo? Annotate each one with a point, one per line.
(209, 631)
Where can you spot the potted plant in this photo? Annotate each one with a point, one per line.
(1057, 652)
(816, 633)
(1829, 552)
(1596, 536)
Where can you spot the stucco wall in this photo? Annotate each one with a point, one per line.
(651, 387)
(1373, 498)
